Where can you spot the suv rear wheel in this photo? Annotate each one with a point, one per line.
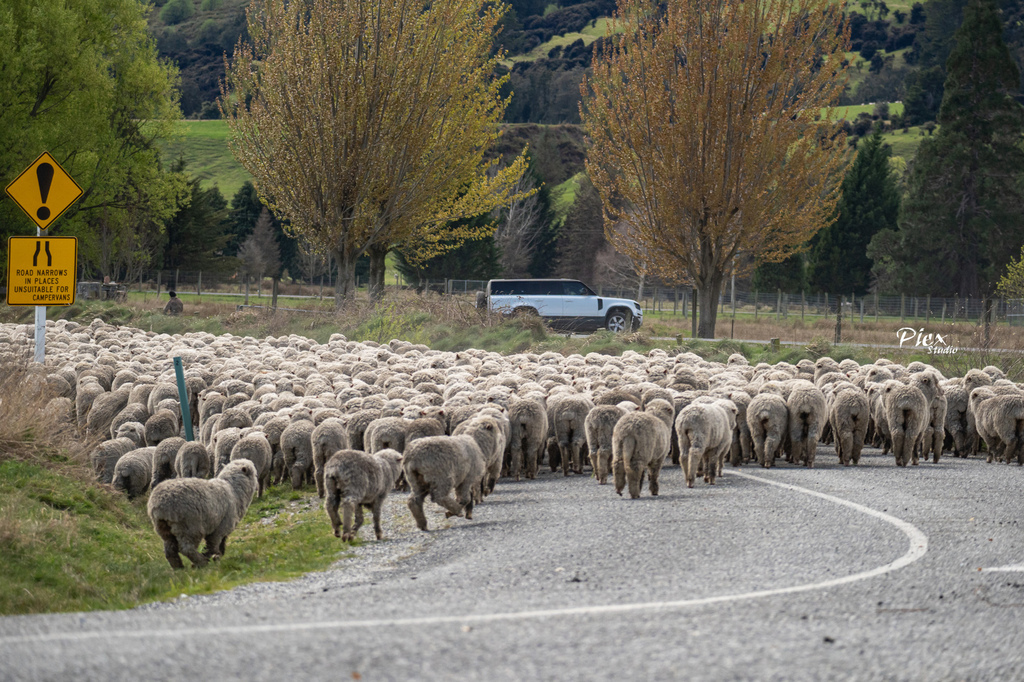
(618, 321)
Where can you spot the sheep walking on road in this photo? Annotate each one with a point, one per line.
(354, 479)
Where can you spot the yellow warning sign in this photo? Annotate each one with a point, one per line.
(44, 191)
(41, 270)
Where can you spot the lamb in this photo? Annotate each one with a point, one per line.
(327, 438)
(768, 421)
(440, 466)
(807, 414)
(705, 437)
(906, 414)
(133, 472)
(255, 448)
(848, 416)
(163, 424)
(164, 457)
(600, 424)
(640, 443)
(186, 511)
(569, 414)
(104, 458)
(354, 479)
(528, 433)
(192, 461)
(297, 447)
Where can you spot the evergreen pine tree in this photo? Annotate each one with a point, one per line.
(788, 275)
(963, 216)
(870, 202)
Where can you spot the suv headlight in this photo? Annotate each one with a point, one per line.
(638, 308)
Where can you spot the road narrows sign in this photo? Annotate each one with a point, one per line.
(44, 191)
(41, 270)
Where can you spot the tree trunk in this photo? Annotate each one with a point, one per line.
(247, 289)
(345, 290)
(707, 294)
(273, 301)
(378, 266)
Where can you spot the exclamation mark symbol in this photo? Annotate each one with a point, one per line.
(44, 173)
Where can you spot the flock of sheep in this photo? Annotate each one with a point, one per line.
(358, 420)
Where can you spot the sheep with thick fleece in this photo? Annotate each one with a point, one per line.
(164, 457)
(955, 424)
(848, 416)
(768, 421)
(104, 457)
(357, 425)
(807, 415)
(354, 479)
(327, 438)
(297, 447)
(528, 432)
(162, 425)
(569, 414)
(640, 443)
(85, 395)
(221, 445)
(705, 437)
(136, 431)
(448, 469)
(133, 472)
(385, 433)
(255, 448)
(927, 381)
(187, 511)
(487, 433)
(104, 409)
(132, 412)
(906, 415)
(1000, 421)
(192, 461)
(600, 425)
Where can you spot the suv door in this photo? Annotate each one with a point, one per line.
(581, 306)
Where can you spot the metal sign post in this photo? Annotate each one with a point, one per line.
(44, 191)
(186, 413)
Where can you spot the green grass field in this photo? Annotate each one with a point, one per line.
(204, 147)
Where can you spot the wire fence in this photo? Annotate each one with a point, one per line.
(665, 300)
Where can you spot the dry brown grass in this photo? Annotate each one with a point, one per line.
(30, 432)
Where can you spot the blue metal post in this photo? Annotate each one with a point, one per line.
(186, 415)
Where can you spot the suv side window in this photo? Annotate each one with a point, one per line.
(576, 289)
(501, 288)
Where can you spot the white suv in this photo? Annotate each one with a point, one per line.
(565, 303)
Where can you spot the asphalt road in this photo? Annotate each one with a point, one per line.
(869, 573)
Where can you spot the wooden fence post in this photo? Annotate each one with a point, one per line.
(927, 308)
(199, 285)
(876, 306)
(839, 320)
(943, 311)
(803, 304)
(778, 305)
(693, 319)
(755, 305)
(862, 310)
(903, 307)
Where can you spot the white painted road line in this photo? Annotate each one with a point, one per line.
(918, 546)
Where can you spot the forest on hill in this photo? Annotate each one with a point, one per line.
(898, 51)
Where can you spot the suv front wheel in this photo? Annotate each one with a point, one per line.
(618, 321)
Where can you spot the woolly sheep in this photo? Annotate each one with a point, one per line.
(133, 472)
(448, 469)
(132, 412)
(221, 444)
(600, 425)
(906, 415)
(384, 433)
(807, 414)
(187, 511)
(487, 433)
(105, 456)
(192, 461)
(357, 424)
(528, 432)
(354, 479)
(327, 438)
(955, 424)
(134, 431)
(569, 416)
(640, 443)
(164, 457)
(705, 437)
(1000, 421)
(163, 424)
(768, 421)
(255, 448)
(104, 409)
(927, 381)
(297, 448)
(848, 416)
